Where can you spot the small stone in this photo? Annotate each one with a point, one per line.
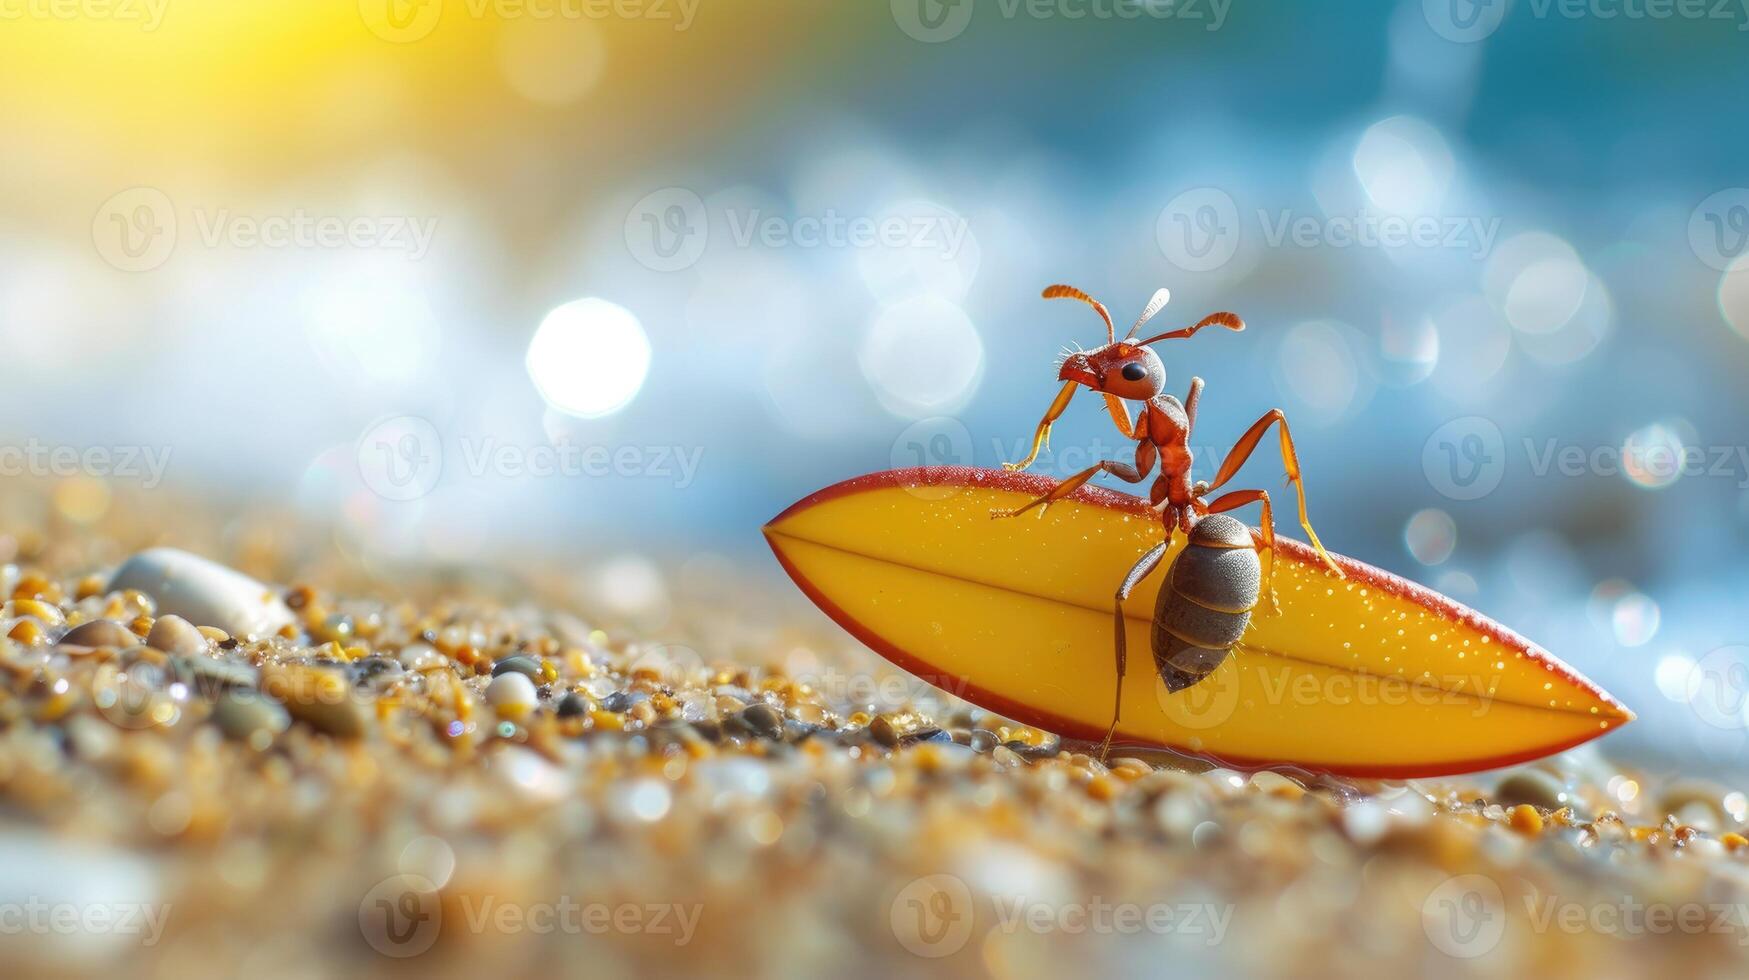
(318, 697)
(1526, 820)
(421, 657)
(764, 720)
(617, 702)
(100, 633)
(1532, 786)
(203, 592)
(983, 741)
(884, 731)
(1686, 798)
(211, 675)
(173, 634)
(524, 665)
(513, 694)
(573, 705)
(249, 716)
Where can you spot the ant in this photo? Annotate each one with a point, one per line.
(1217, 582)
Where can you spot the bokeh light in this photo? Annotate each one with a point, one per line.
(589, 357)
(923, 356)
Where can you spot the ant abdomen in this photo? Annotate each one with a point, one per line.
(1206, 602)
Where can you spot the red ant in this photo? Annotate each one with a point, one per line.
(1214, 587)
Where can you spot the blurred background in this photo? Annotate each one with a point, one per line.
(614, 281)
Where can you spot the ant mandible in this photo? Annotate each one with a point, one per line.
(1188, 643)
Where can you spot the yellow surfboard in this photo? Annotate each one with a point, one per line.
(1366, 675)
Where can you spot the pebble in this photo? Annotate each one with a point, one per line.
(421, 657)
(512, 694)
(209, 675)
(526, 666)
(618, 702)
(884, 731)
(100, 633)
(764, 720)
(1685, 797)
(317, 697)
(573, 705)
(203, 592)
(1532, 786)
(173, 634)
(242, 714)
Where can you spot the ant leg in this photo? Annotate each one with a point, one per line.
(1123, 471)
(1239, 498)
(1140, 571)
(1042, 436)
(1290, 460)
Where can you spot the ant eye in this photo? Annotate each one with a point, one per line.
(1134, 371)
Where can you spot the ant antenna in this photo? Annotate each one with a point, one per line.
(1161, 296)
(1229, 320)
(1061, 291)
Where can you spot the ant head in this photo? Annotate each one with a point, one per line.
(1124, 369)
(1127, 368)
